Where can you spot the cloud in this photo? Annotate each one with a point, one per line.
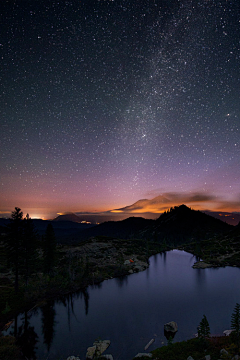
(197, 200)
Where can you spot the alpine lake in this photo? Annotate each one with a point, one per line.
(131, 310)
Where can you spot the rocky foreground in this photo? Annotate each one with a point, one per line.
(210, 348)
(213, 351)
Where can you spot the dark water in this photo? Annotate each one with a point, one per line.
(131, 311)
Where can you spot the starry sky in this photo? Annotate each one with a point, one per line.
(104, 103)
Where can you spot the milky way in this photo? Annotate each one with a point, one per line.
(106, 102)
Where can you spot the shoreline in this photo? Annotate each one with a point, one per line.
(107, 259)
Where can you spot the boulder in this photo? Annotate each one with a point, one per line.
(190, 358)
(171, 327)
(227, 332)
(97, 349)
(91, 352)
(101, 346)
(207, 357)
(107, 356)
(73, 358)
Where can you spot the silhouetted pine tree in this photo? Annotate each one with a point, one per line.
(29, 248)
(235, 323)
(204, 328)
(13, 243)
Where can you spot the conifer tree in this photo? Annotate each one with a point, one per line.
(235, 319)
(13, 243)
(203, 328)
(29, 248)
(21, 246)
(235, 323)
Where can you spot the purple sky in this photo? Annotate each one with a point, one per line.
(104, 103)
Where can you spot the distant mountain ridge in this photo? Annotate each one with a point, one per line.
(135, 210)
(64, 230)
(124, 229)
(175, 226)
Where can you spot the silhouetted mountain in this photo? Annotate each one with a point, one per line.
(181, 224)
(176, 226)
(68, 217)
(124, 229)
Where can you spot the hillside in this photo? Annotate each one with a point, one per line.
(182, 224)
(125, 229)
(220, 250)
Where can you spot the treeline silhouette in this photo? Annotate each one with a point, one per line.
(181, 224)
(26, 253)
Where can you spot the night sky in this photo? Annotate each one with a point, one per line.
(104, 103)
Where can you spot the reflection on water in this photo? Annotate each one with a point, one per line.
(48, 323)
(122, 280)
(132, 310)
(25, 334)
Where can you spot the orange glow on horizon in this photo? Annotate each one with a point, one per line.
(151, 206)
(37, 216)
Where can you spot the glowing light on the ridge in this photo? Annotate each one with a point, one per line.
(36, 216)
